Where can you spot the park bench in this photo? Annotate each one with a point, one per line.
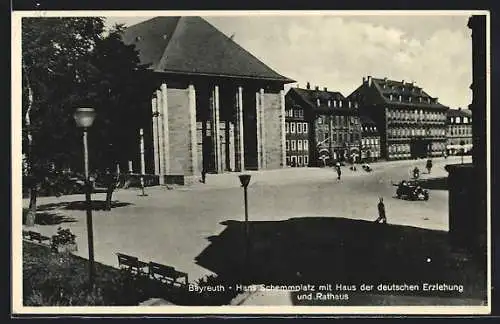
(168, 275)
(131, 264)
(35, 236)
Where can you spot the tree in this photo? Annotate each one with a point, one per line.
(70, 62)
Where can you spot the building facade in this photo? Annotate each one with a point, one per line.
(297, 136)
(370, 140)
(412, 124)
(333, 125)
(216, 108)
(459, 132)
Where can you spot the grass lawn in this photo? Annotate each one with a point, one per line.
(61, 279)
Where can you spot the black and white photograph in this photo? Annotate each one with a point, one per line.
(175, 162)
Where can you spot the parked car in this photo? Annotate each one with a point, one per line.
(411, 190)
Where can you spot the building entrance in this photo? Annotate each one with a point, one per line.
(419, 148)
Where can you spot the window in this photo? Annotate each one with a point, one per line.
(287, 145)
(292, 128)
(304, 126)
(299, 128)
(287, 129)
(296, 113)
(306, 160)
(457, 120)
(287, 160)
(335, 103)
(300, 160)
(465, 120)
(329, 103)
(299, 145)
(294, 161)
(340, 103)
(294, 147)
(390, 97)
(306, 145)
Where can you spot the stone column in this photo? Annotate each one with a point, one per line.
(231, 147)
(282, 131)
(263, 129)
(193, 167)
(161, 140)
(155, 136)
(166, 141)
(258, 121)
(240, 148)
(216, 129)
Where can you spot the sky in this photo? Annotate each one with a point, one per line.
(337, 51)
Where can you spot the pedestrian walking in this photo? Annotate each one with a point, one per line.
(339, 172)
(428, 166)
(203, 175)
(381, 212)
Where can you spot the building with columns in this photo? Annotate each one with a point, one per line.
(215, 108)
(412, 124)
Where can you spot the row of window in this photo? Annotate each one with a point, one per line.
(300, 160)
(340, 137)
(454, 131)
(401, 98)
(293, 145)
(405, 114)
(458, 120)
(370, 141)
(291, 127)
(297, 113)
(406, 148)
(344, 121)
(457, 141)
(406, 132)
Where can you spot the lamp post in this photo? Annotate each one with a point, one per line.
(245, 180)
(84, 118)
(462, 143)
(143, 165)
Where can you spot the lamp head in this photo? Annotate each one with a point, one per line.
(244, 179)
(84, 117)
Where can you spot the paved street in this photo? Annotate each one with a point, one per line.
(174, 226)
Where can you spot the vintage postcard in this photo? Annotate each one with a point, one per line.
(251, 162)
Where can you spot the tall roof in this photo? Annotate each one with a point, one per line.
(191, 45)
(397, 92)
(459, 113)
(310, 98)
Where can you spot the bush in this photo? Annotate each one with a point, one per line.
(63, 236)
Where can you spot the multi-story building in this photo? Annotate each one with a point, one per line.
(370, 140)
(334, 129)
(215, 107)
(412, 124)
(459, 131)
(297, 135)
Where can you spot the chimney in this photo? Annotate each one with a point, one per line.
(325, 89)
(364, 80)
(403, 82)
(369, 81)
(308, 86)
(316, 88)
(459, 108)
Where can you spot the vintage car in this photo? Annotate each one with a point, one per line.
(411, 190)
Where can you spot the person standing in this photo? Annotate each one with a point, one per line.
(381, 212)
(428, 166)
(339, 171)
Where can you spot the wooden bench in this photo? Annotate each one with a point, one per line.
(131, 264)
(35, 236)
(167, 274)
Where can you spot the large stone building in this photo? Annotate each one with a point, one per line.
(412, 124)
(334, 129)
(215, 107)
(459, 131)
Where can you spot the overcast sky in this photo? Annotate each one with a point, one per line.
(338, 51)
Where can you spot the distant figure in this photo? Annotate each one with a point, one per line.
(203, 175)
(428, 166)
(381, 212)
(339, 171)
(416, 173)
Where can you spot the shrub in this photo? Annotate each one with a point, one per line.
(63, 236)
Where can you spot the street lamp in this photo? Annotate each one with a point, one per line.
(84, 118)
(245, 180)
(462, 143)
